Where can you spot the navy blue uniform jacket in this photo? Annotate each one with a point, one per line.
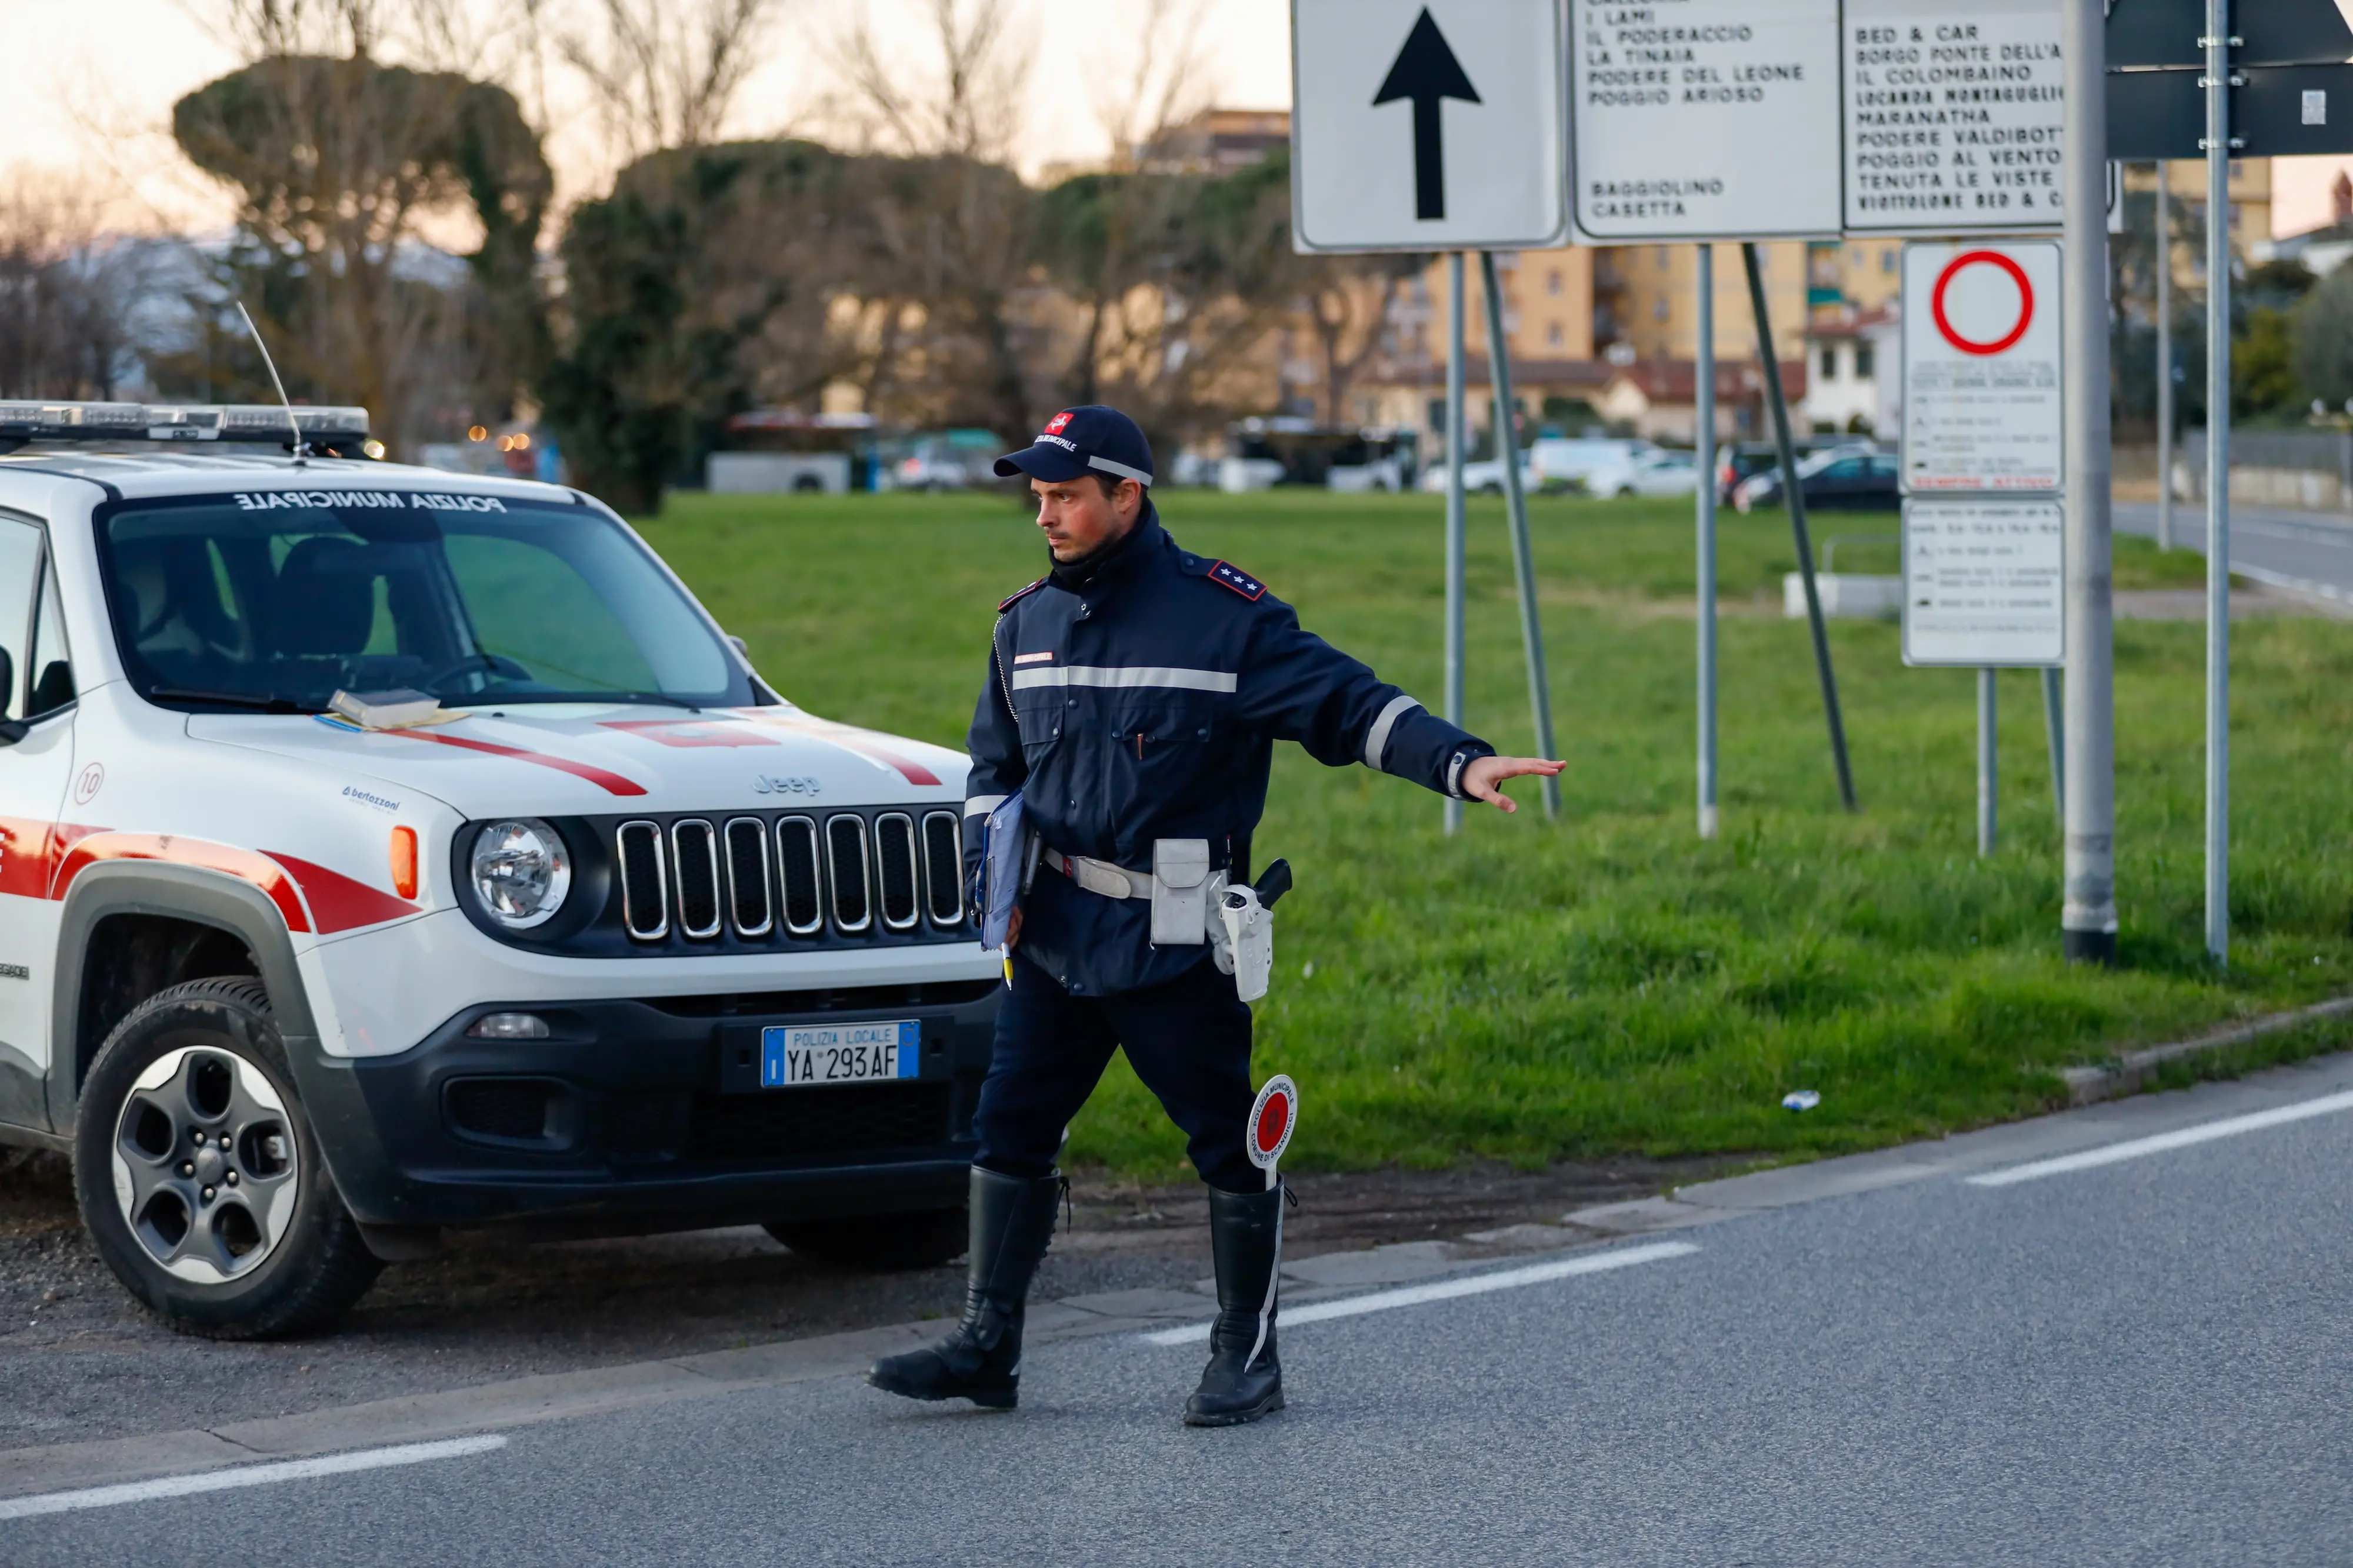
(1143, 701)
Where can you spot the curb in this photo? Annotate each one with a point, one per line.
(2131, 1072)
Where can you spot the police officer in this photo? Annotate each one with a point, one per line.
(1133, 697)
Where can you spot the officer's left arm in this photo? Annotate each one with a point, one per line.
(1296, 686)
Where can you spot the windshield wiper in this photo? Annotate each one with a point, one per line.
(264, 703)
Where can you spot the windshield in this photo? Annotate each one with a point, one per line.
(281, 598)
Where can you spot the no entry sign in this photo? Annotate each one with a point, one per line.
(1981, 368)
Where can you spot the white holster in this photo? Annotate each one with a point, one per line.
(1181, 891)
(1248, 951)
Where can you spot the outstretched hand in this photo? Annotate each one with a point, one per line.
(1480, 777)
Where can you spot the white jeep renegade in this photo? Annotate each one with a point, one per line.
(618, 939)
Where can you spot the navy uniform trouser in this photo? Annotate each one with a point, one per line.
(1189, 1040)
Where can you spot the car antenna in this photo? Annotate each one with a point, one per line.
(301, 448)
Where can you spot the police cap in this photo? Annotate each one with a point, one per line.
(1090, 439)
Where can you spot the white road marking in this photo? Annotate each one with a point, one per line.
(248, 1476)
(1447, 1290)
(2205, 1133)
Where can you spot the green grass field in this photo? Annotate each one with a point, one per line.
(1533, 991)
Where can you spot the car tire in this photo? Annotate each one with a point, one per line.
(880, 1242)
(204, 1060)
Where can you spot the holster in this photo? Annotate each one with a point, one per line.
(1250, 935)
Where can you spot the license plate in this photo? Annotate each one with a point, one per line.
(799, 1056)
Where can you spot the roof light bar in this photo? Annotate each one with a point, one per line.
(27, 421)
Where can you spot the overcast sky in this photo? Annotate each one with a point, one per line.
(89, 85)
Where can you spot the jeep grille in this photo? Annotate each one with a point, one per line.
(792, 878)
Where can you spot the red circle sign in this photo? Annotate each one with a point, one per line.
(1272, 1119)
(2025, 302)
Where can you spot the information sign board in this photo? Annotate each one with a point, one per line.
(1955, 116)
(1982, 375)
(1984, 582)
(1705, 119)
(1437, 126)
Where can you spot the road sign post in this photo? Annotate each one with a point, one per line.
(1988, 790)
(1793, 495)
(2218, 150)
(1456, 439)
(2088, 914)
(1704, 411)
(2164, 359)
(1523, 565)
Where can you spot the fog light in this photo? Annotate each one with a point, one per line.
(510, 1026)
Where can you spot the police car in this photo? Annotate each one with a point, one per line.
(384, 850)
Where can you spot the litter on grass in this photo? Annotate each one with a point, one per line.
(1800, 1100)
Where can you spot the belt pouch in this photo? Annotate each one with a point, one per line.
(1180, 891)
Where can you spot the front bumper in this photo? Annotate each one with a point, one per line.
(647, 1112)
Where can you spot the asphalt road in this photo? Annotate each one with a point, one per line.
(2311, 552)
(2137, 1361)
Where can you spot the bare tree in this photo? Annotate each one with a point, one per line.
(70, 297)
(1169, 81)
(967, 101)
(665, 72)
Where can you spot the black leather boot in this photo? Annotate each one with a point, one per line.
(1012, 1220)
(1244, 1380)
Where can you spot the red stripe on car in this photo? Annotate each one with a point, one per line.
(244, 864)
(610, 782)
(339, 902)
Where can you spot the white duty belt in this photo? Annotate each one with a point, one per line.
(1100, 876)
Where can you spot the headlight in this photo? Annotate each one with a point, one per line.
(520, 872)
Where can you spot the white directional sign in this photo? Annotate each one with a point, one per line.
(1705, 119)
(1428, 127)
(1955, 112)
(1984, 582)
(1981, 367)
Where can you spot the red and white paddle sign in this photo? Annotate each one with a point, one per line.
(1982, 409)
(1271, 1119)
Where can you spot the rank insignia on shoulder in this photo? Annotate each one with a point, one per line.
(1017, 596)
(1240, 580)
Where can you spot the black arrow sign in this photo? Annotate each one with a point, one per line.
(1426, 72)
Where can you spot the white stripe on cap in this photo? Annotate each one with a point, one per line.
(1376, 742)
(1124, 677)
(1122, 469)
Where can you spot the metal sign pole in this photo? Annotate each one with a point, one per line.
(1793, 496)
(1986, 793)
(2218, 478)
(1524, 562)
(2164, 359)
(1704, 432)
(2054, 703)
(1455, 453)
(2088, 915)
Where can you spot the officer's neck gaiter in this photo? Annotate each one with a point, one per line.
(1076, 575)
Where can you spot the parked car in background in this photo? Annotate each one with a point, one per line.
(1736, 461)
(1657, 472)
(1576, 462)
(1842, 480)
(1484, 478)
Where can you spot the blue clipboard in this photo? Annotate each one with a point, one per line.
(1003, 864)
